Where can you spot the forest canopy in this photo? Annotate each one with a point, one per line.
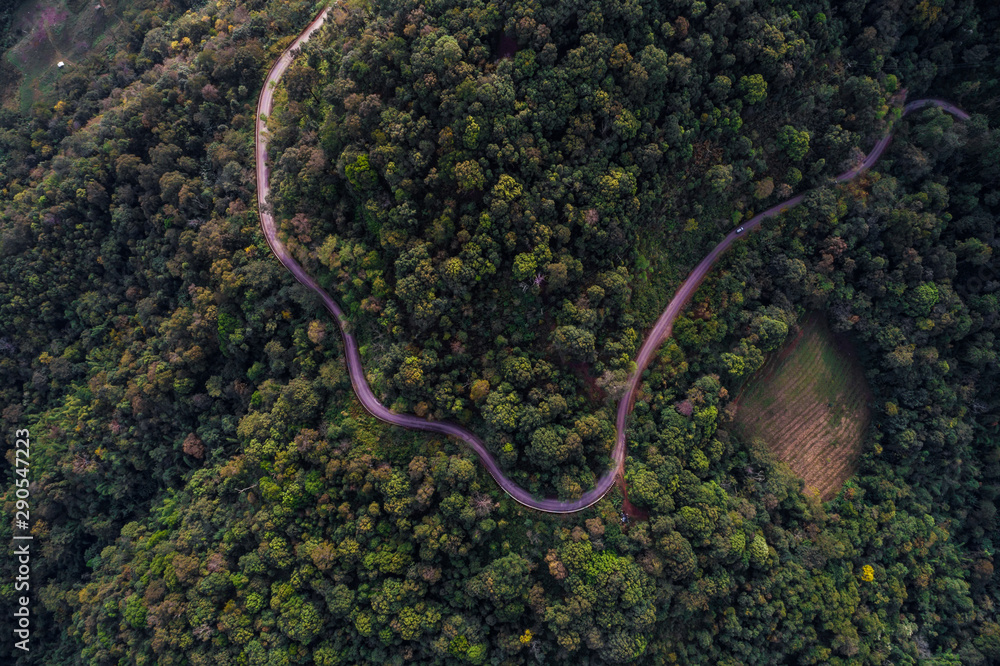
(503, 196)
(494, 167)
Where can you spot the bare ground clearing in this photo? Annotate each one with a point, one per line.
(51, 31)
(809, 403)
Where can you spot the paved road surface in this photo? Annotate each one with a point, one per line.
(660, 331)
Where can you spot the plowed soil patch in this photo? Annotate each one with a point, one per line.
(809, 403)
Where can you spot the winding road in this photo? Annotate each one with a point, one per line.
(660, 331)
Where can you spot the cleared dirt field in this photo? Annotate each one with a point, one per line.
(51, 31)
(809, 403)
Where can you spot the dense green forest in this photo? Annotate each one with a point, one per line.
(503, 196)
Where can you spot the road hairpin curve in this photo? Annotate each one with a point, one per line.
(660, 331)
